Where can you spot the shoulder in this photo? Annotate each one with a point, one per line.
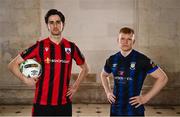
(140, 55)
(65, 40)
(43, 40)
(115, 55)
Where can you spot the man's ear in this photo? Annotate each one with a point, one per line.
(47, 27)
(133, 41)
(62, 26)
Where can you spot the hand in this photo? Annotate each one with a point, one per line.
(71, 91)
(138, 101)
(30, 81)
(111, 98)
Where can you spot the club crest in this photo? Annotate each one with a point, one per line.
(132, 66)
(46, 49)
(68, 50)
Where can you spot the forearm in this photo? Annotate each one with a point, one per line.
(13, 66)
(105, 83)
(159, 84)
(83, 73)
(16, 71)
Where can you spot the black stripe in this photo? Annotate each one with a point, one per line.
(72, 49)
(62, 72)
(29, 50)
(68, 79)
(41, 53)
(135, 82)
(69, 66)
(79, 53)
(125, 96)
(117, 84)
(52, 68)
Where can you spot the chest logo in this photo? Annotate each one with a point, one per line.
(46, 49)
(132, 66)
(68, 50)
(121, 73)
(114, 65)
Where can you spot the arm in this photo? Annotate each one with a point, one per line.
(107, 87)
(161, 80)
(75, 86)
(14, 68)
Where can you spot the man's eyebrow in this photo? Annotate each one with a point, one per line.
(55, 21)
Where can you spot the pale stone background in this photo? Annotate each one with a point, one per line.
(93, 25)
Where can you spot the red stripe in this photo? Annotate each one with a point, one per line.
(47, 74)
(36, 92)
(37, 84)
(56, 76)
(32, 111)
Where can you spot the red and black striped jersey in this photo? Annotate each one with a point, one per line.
(56, 62)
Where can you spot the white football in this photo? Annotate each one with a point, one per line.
(30, 68)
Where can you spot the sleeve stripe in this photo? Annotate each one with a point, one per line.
(152, 70)
(28, 51)
(80, 55)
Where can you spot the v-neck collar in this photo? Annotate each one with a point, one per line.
(125, 57)
(56, 43)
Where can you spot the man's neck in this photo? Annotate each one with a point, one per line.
(56, 38)
(125, 53)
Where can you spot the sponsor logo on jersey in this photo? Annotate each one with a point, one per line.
(121, 73)
(48, 60)
(122, 78)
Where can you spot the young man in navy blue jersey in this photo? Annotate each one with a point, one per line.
(53, 95)
(129, 69)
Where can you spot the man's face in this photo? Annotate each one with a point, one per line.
(126, 41)
(55, 25)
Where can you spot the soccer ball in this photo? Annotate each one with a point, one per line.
(30, 68)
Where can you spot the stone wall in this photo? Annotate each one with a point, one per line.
(93, 25)
(158, 29)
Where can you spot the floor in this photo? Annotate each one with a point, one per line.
(98, 110)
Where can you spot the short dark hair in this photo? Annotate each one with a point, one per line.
(126, 30)
(54, 12)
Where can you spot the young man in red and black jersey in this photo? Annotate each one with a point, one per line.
(52, 94)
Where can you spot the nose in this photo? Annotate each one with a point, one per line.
(126, 41)
(55, 24)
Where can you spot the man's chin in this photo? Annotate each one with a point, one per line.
(55, 34)
(126, 49)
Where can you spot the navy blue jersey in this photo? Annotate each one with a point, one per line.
(129, 73)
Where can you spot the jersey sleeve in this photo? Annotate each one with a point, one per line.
(150, 66)
(78, 56)
(30, 52)
(107, 66)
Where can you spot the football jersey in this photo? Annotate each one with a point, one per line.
(56, 62)
(129, 73)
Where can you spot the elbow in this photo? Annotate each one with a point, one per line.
(165, 80)
(10, 66)
(86, 70)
